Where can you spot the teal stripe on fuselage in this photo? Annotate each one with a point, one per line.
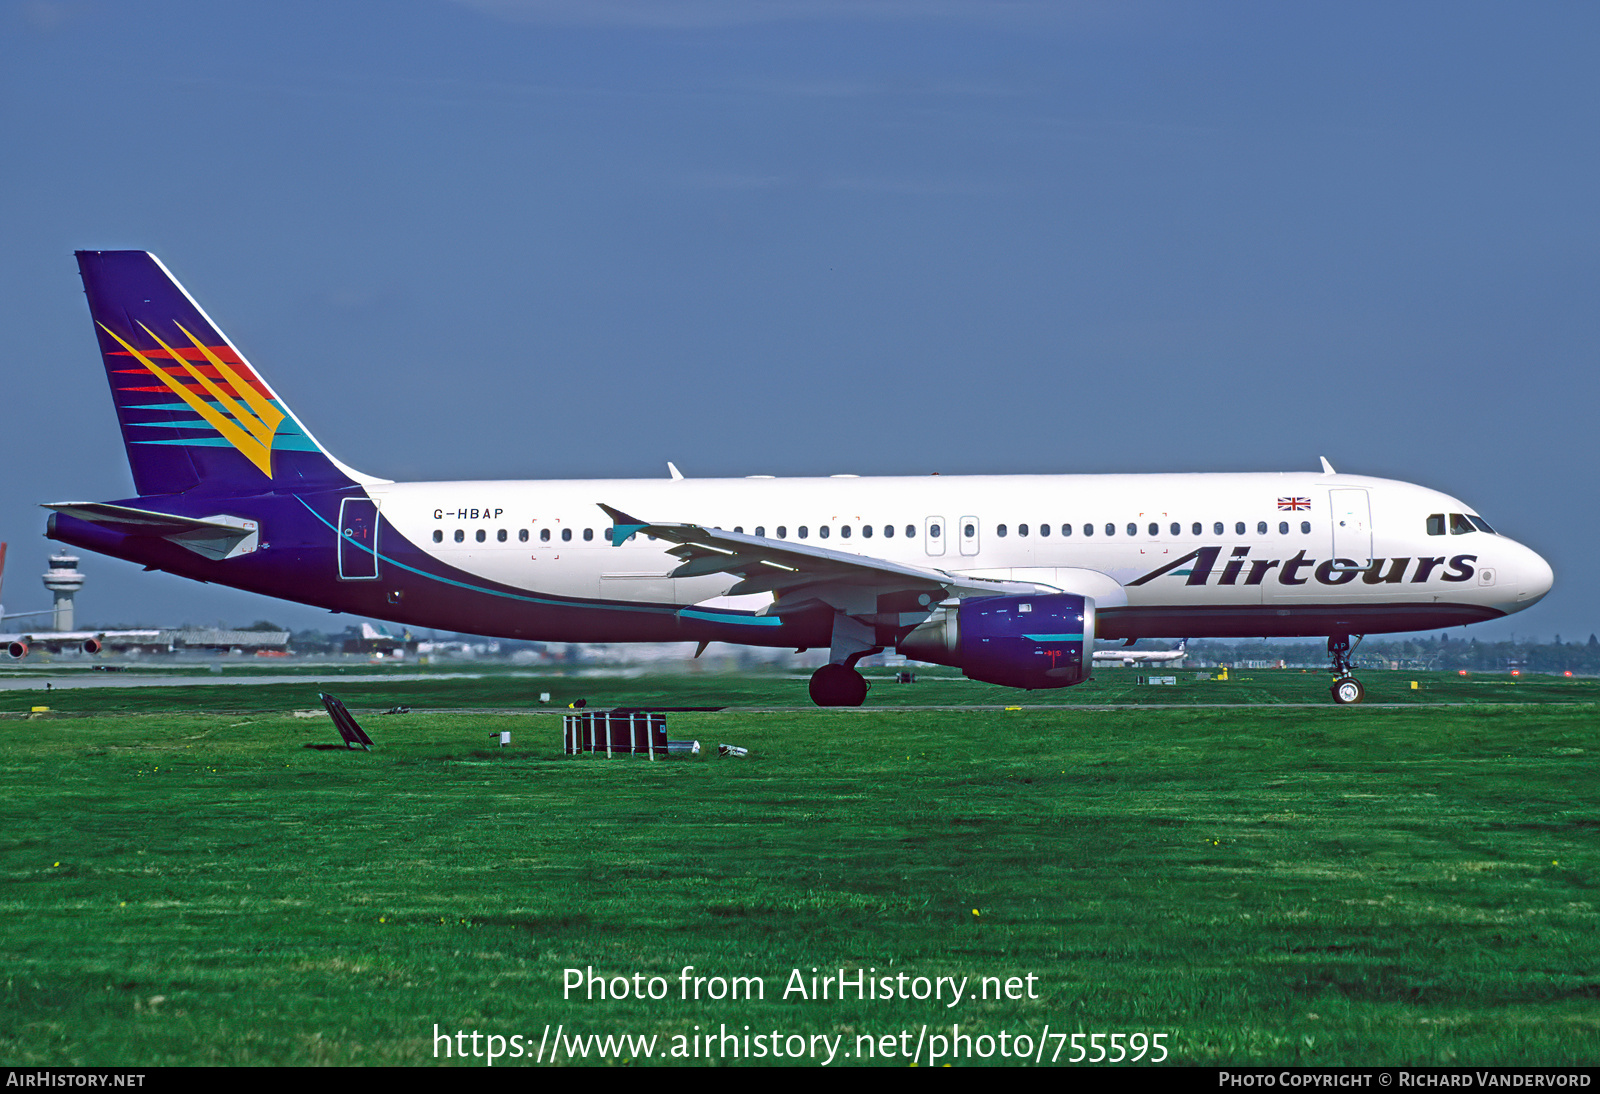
(600, 605)
(742, 620)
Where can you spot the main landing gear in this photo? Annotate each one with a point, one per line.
(1346, 688)
(838, 686)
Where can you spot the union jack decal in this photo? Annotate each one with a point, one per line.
(1294, 504)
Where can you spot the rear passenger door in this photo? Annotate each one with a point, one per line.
(358, 539)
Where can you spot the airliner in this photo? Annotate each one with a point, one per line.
(1129, 658)
(1009, 578)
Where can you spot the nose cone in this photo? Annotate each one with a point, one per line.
(1534, 578)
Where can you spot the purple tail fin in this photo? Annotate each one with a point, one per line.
(194, 414)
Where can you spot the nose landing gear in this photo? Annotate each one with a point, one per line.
(1346, 688)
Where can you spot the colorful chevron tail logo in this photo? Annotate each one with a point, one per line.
(246, 418)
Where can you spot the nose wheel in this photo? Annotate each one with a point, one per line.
(1346, 688)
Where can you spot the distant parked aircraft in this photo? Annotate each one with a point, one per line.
(1130, 658)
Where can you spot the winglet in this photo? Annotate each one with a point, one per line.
(672, 469)
(1327, 468)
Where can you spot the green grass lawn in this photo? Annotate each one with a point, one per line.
(1299, 885)
(493, 687)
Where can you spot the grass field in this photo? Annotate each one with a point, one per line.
(487, 686)
(1260, 884)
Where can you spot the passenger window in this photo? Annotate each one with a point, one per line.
(438, 535)
(888, 531)
(933, 531)
(866, 530)
(1460, 525)
(1111, 529)
(761, 530)
(802, 531)
(738, 529)
(1196, 528)
(544, 535)
(1022, 529)
(1000, 530)
(1177, 528)
(1066, 529)
(1283, 527)
(783, 532)
(1216, 529)
(500, 535)
(588, 534)
(1044, 529)
(969, 531)
(911, 531)
(1155, 529)
(1305, 527)
(1436, 524)
(844, 531)
(823, 531)
(522, 535)
(460, 535)
(1238, 528)
(481, 536)
(1133, 529)
(566, 535)
(1088, 529)
(1261, 527)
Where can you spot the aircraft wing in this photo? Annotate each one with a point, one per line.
(217, 536)
(799, 572)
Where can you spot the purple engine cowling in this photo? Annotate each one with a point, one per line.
(1018, 641)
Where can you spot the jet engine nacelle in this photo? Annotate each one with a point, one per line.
(91, 645)
(16, 650)
(1019, 641)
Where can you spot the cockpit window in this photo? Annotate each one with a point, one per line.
(1436, 524)
(1460, 525)
(1481, 524)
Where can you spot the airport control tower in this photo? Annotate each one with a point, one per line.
(63, 580)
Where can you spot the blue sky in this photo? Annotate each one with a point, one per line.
(550, 239)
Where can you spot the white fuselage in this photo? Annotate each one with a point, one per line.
(1269, 543)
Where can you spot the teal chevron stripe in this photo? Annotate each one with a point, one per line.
(283, 442)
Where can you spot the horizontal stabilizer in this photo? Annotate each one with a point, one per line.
(215, 537)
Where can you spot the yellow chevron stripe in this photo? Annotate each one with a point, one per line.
(249, 447)
(241, 416)
(268, 415)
